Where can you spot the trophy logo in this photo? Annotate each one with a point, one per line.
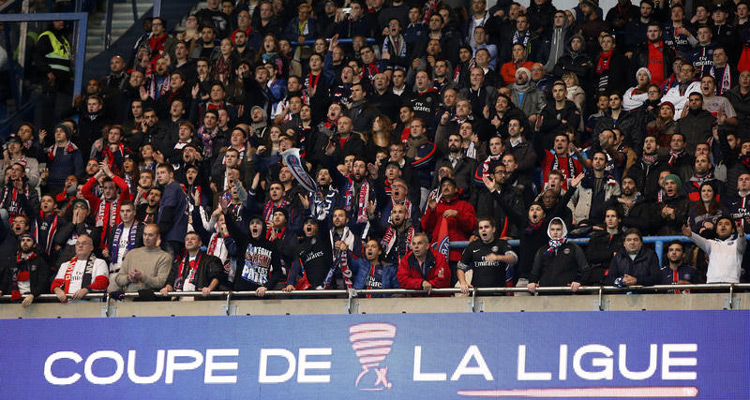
(371, 343)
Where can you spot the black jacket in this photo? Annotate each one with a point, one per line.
(601, 249)
(645, 267)
(209, 268)
(38, 276)
(566, 266)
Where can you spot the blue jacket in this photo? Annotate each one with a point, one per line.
(385, 275)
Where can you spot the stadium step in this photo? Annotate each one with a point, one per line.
(122, 20)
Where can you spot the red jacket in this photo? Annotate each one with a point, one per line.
(460, 227)
(436, 270)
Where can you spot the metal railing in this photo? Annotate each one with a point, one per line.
(362, 293)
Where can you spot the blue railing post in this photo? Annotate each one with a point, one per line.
(135, 10)
(156, 11)
(659, 249)
(108, 25)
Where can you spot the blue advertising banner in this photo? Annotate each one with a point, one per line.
(592, 355)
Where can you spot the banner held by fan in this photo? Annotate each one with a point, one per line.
(292, 160)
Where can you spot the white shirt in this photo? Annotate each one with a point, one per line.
(76, 278)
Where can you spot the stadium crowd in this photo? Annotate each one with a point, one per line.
(414, 123)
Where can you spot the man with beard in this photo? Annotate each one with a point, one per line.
(463, 167)
(670, 212)
(259, 266)
(356, 191)
(496, 190)
(724, 253)
(29, 277)
(633, 207)
(647, 168)
(655, 55)
(148, 212)
(675, 271)
(490, 259)
(696, 124)
(396, 234)
(596, 189)
(372, 273)
(526, 96)
(459, 214)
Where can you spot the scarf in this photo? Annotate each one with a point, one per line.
(603, 63)
(554, 244)
(362, 201)
(20, 274)
(158, 86)
(648, 160)
(323, 205)
(725, 83)
(179, 283)
(673, 157)
(50, 232)
(341, 261)
(269, 209)
(524, 40)
(533, 227)
(71, 266)
(389, 239)
(67, 149)
(10, 200)
(208, 140)
(104, 205)
(572, 172)
(132, 235)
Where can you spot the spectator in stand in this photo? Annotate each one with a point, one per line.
(490, 259)
(29, 276)
(675, 271)
(423, 268)
(725, 252)
(634, 264)
(82, 274)
(561, 263)
(459, 215)
(372, 273)
(63, 159)
(144, 268)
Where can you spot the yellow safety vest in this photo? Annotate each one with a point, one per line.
(59, 57)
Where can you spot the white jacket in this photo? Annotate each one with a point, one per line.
(724, 258)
